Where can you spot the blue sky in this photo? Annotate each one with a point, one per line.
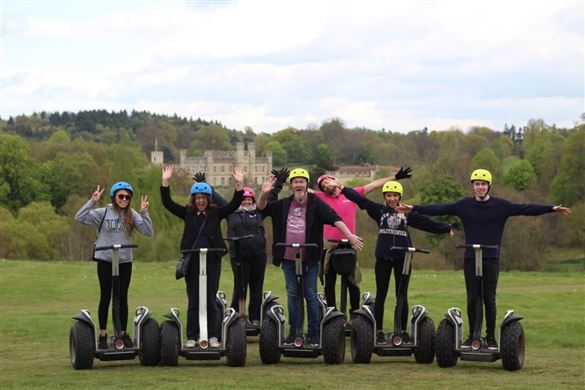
(398, 65)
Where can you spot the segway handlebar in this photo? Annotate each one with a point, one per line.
(478, 246)
(409, 249)
(294, 245)
(115, 246)
(204, 250)
(239, 238)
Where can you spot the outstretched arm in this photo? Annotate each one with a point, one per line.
(356, 242)
(403, 173)
(562, 210)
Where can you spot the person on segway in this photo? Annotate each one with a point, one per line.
(484, 218)
(202, 230)
(300, 219)
(392, 231)
(115, 224)
(331, 194)
(252, 251)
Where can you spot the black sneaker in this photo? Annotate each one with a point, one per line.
(405, 338)
(103, 342)
(128, 341)
(492, 345)
(380, 337)
(289, 341)
(467, 343)
(313, 341)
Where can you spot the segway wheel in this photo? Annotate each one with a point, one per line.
(81, 346)
(236, 343)
(445, 345)
(425, 351)
(268, 342)
(149, 354)
(362, 340)
(170, 344)
(334, 341)
(512, 346)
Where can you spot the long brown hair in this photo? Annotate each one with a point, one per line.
(128, 217)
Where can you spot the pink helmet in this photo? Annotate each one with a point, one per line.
(249, 193)
(321, 178)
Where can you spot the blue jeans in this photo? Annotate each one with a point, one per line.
(310, 272)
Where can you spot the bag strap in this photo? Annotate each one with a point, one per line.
(197, 238)
(99, 229)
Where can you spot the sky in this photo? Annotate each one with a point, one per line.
(269, 65)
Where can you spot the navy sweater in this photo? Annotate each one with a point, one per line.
(483, 221)
(393, 227)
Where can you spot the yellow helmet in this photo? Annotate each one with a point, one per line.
(392, 186)
(298, 172)
(481, 174)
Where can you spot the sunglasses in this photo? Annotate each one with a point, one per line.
(124, 197)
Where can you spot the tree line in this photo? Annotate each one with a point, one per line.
(51, 162)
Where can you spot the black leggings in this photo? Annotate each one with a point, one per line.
(253, 278)
(491, 272)
(331, 280)
(383, 271)
(104, 271)
(213, 267)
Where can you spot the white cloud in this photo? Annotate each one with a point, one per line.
(268, 65)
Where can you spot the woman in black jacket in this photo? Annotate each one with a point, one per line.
(202, 230)
(392, 231)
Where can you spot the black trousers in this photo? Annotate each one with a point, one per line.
(104, 271)
(383, 270)
(249, 274)
(491, 272)
(331, 280)
(213, 266)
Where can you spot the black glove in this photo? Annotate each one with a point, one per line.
(281, 175)
(199, 177)
(403, 173)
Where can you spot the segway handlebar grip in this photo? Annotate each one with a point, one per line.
(478, 246)
(295, 245)
(115, 246)
(203, 250)
(409, 249)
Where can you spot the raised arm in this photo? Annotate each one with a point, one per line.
(403, 173)
(267, 186)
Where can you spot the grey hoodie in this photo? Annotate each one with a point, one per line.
(112, 231)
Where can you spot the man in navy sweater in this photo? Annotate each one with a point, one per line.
(484, 218)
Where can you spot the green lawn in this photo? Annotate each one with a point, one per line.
(39, 298)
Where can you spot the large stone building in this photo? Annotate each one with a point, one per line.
(219, 164)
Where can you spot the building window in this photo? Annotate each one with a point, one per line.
(223, 168)
(222, 181)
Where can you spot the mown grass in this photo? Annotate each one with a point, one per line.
(39, 298)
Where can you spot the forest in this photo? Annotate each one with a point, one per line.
(51, 163)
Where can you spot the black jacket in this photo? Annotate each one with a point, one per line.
(212, 225)
(318, 214)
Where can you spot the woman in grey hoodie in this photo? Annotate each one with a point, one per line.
(115, 224)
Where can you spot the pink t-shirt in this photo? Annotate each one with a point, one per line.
(345, 208)
(295, 228)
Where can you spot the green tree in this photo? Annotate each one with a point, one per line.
(324, 153)
(568, 187)
(279, 154)
(19, 173)
(520, 175)
(211, 137)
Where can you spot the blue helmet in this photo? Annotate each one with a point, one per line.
(121, 185)
(201, 188)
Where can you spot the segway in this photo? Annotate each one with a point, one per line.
(83, 345)
(272, 333)
(450, 331)
(233, 327)
(422, 329)
(344, 260)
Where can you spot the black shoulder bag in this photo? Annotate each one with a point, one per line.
(183, 263)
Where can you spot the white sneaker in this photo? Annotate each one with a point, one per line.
(214, 343)
(190, 344)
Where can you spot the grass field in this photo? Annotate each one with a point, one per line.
(39, 298)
